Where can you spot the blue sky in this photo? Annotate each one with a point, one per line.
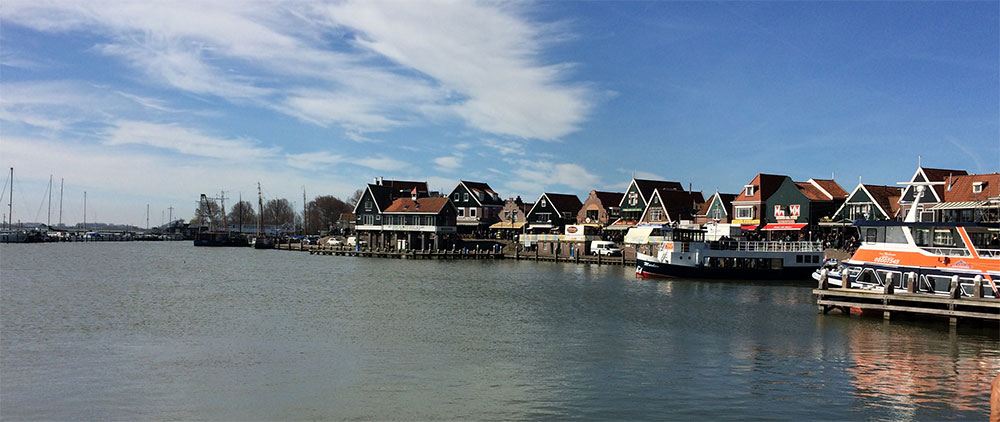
(157, 103)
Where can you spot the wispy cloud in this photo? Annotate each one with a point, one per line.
(534, 175)
(449, 163)
(186, 141)
(327, 64)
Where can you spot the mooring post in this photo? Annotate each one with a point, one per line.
(955, 291)
(845, 279)
(911, 282)
(977, 286)
(823, 279)
(889, 287)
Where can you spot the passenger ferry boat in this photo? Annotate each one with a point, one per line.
(929, 254)
(686, 253)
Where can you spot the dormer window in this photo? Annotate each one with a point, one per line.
(465, 197)
(977, 187)
(542, 203)
(749, 190)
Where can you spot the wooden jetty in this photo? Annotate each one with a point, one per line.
(453, 254)
(893, 303)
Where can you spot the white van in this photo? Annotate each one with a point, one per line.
(354, 241)
(604, 247)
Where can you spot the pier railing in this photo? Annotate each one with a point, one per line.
(768, 246)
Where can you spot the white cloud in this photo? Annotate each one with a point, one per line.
(326, 64)
(185, 141)
(505, 147)
(449, 163)
(535, 176)
(381, 162)
(313, 160)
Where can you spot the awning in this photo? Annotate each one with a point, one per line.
(749, 227)
(639, 235)
(503, 225)
(958, 205)
(784, 226)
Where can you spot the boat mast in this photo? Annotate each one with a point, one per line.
(10, 202)
(305, 216)
(84, 210)
(241, 211)
(49, 221)
(222, 201)
(61, 180)
(260, 211)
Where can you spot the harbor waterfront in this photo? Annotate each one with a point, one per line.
(165, 330)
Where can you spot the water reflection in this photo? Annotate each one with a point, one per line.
(893, 368)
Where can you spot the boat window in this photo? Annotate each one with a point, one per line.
(945, 238)
(921, 236)
(871, 235)
(984, 240)
(798, 259)
(894, 234)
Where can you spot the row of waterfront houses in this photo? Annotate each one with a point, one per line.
(406, 214)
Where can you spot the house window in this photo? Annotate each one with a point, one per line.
(749, 190)
(456, 196)
(592, 215)
(506, 215)
(567, 215)
(465, 197)
(977, 187)
(655, 214)
(429, 220)
(744, 213)
(542, 203)
(368, 205)
(472, 212)
(513, 216)
(716, 214)
(543, 217)
(461, 212)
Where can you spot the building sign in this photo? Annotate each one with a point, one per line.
(779, 211)
(633, 198)
(794, 209)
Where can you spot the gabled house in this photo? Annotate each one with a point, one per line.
(869, 202)
(716, 209)
(794, 206)
(600, 208)
(513, 216)
(970, 198)
(749, 204)
(376, 199)
(419, 222)
(551, 212)
(931, 196)
(637, 196)
(669, 206)
(478, 205)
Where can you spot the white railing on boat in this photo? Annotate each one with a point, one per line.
(988, 253)
(768, 246)
(948, 251)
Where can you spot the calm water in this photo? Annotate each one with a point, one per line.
(168, 331)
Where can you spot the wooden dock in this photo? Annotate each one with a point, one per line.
(453, 254)
(904, 303)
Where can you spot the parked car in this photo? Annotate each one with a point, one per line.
(333, 241)
(604, 247)
(354, 241)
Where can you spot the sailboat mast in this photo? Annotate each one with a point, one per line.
(305, 216)
(241, 211)
(10, 203)
(48, 222)
(260, 211)
(61, 180)
(84, 210)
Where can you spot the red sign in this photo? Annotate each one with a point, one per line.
(571, 229)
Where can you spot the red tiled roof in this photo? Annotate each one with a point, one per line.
(811, 191)
(421, 205)
(832, 188)
(766, 185)
(960, 189)
(886, 197)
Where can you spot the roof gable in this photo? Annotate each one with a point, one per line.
(418, 206)
(490, 196)
(722, 201)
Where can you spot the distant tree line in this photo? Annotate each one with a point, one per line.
(322, 213)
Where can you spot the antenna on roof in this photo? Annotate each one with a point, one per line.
(919, 160)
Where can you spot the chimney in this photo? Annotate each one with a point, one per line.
(375, 181)
(380, 180)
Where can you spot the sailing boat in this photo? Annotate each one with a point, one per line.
(8, 234)
(261, 240)
(213, 237)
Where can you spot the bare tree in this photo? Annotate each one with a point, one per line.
(355, 197)
(242, 214)
(324, 212)
(279, 212)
